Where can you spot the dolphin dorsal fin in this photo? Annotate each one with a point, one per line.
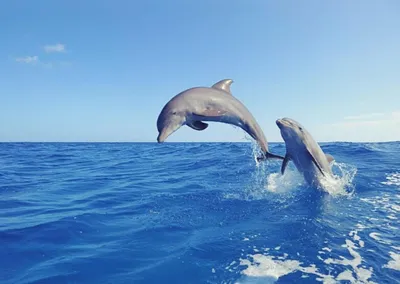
(224, 85)
(330, 158)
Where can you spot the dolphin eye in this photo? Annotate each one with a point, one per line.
(174, 113)
(301, 129)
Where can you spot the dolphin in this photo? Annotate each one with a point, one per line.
(216, 103)
(305, 152)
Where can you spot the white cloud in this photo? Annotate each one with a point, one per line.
(364, 116)
(34, 60)
(372, 127)
(366, 119)
(54, 48)
(28, 59)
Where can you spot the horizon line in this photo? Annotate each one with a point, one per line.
(176, 142)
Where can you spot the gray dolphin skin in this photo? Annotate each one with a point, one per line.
(195, 105)
(304, 151)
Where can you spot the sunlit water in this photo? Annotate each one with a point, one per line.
(195, 213)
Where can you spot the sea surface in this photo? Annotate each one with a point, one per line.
(195, 213)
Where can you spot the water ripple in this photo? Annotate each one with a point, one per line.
(193, 212)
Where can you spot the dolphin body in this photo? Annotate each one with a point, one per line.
(195, 105)
(305, 152)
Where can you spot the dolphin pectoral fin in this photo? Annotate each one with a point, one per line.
(285, 163)
(316, 163)
(330, 158)
(314, 160)
(198, 125)
(223, 85)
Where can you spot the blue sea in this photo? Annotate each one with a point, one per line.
(195, 213)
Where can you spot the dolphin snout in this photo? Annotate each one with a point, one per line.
(160, 137)
(279, 122)
(283, 123)
(165, 133)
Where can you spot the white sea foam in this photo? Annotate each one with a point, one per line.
(264, 265)
(395, 262)
(268, 268)
(396, 207)
(387, 202)
(392, 179)
(375, 236)
(362, 274)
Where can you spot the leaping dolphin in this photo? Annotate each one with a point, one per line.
(304, 151)
(195, 105)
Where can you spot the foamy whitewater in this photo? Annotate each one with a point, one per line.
(196, 213)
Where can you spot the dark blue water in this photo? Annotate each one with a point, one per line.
(195, 213)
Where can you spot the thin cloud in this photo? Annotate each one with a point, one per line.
(28, 59)
(367, 119)
(368, 127)
(34, 60)
(364, 116)
(54, 48)
(55, 64)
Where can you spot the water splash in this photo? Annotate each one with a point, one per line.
(341, 183)
(278, 183)
(256, 150)
(267, 179)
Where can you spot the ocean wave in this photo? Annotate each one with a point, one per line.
(195, 212)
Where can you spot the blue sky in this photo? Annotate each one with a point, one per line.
(103, 70)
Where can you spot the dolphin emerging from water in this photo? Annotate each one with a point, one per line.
(304, 151)
(195, 105)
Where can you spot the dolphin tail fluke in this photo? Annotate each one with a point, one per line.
(262, 158)
(268, 155)
(273, 156)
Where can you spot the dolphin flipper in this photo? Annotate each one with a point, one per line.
(198, 125)
(285, 163)
(315, 162)
(330, 158)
